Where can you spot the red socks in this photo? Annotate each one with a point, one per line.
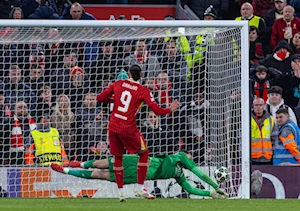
(119, 171)
(142, 167)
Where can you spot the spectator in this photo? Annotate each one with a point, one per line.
(37, 56)
(29, 6)
(22, 125)
(54, 50)
(295, 44)
(159, 139)
(285, 28)
(275, 13)
(76, 12)
(76, 88)
(63, 120)
(256, 52)
(61, 76)
(192, 124)
(91, 48)
(157, 45)
(45, 97)
(16, 13)
(270, 17)
(260, 7)
(253, 20)
(9, 53)
(260, 81)
(45, 147)
(44, 11)
(16, 90)
(295, 4)
(141, 56)
(5, 119)
(36, 78)
(290, 85)
(174, 63)
(107, 63)
(210, 13)
(126, 49)
(275, 101)
(220, 6)
(6, 7)
(150, 83)
(262, 136)
(90, 124)
(280, 59)
(286, 148)
(164, 93)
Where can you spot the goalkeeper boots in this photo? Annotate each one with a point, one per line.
(144, 194)
(122, 197)
(57, 167)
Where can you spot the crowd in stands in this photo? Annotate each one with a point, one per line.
(56, 84)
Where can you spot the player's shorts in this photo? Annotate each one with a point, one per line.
(133, 142)
(130, 169)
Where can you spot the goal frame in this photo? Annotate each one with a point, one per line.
(245, 108)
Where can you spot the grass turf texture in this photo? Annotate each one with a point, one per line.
(85, 204)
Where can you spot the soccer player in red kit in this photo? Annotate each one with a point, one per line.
(123, 132)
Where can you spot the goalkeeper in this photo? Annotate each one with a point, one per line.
(162, 166)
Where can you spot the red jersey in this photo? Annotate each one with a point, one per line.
(128, 98)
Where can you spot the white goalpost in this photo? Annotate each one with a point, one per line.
(56, 68)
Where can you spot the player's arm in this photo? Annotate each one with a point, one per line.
(190, 189)
(149, 100)
(288, 140)
(106, 95)
(191, 165)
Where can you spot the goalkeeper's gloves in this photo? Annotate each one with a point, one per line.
(222, 192)
(216, 195)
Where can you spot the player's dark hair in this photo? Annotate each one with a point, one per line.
(135, 71)
(282, 111)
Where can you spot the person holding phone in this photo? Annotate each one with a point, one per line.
(286, 27)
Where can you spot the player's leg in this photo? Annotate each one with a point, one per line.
(135, 143)
(116, 149)
(100, 164)
(87, 174)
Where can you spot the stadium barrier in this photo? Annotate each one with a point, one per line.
(279, 182)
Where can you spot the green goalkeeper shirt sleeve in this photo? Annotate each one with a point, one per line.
(191, 165)
(190, 189)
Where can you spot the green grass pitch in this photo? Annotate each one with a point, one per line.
(86, 204)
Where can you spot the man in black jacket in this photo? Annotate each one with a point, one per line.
(270, 17)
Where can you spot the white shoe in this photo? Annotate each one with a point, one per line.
(144, 194)
(122, 197)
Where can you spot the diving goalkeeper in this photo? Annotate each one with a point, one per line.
(162, 166)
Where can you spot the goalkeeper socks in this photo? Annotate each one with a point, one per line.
(142, 167)
(119, 171)
(81, 173)
(88, 164)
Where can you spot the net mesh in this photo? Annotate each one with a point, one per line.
(59, 71)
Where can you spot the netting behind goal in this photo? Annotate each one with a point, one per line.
(58, 72)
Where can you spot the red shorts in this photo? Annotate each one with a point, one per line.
(132, 142)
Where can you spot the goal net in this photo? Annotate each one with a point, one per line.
(56, 69)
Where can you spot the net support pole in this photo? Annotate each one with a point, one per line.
(245, 111)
